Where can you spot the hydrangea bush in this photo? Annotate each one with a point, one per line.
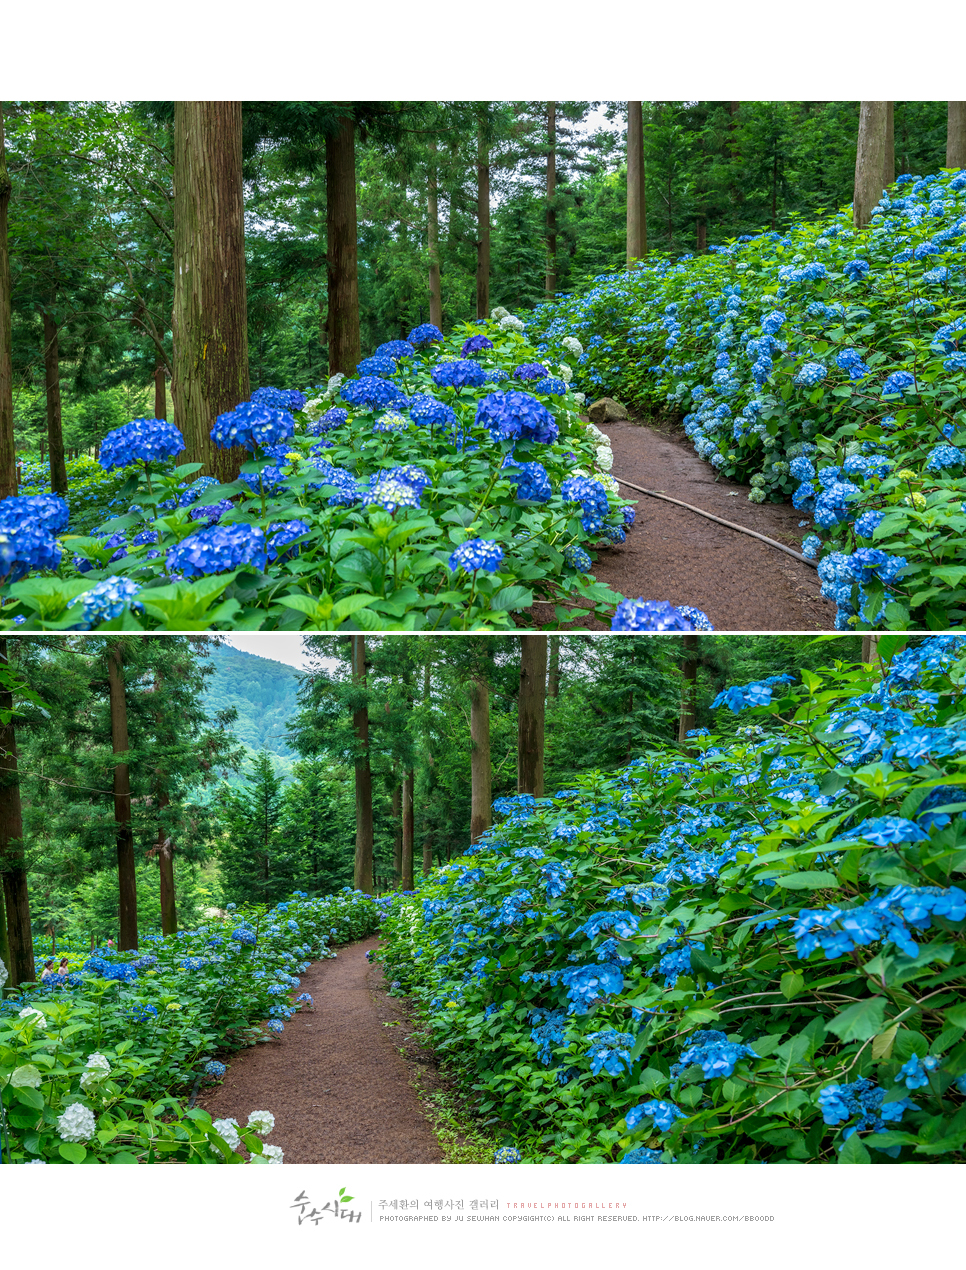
(430, 491)
(95, 1065)
(824, 364)
(750, 951)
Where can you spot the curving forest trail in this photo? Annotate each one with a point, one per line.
(335, 1080)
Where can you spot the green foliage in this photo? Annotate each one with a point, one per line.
(702, 933)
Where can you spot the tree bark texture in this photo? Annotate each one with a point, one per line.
(55, 430)
(482, 224)
(955, 139)
(408, 830)
(169, 906)
(889, 161)
(869, 161)
(689, 689)
(127, 934)
(553, 667)
(209, 319)
(551, 223)
(13, 865)
(870, 649)
(530, 714)
(427, 855)
(345, 341)
(160, 393)
(481, 776)
(362, 871)
(701, 234)
(432, 242)
(636, 202)
(397, 834)
(8, 453)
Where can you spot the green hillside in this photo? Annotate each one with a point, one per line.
(264, 692)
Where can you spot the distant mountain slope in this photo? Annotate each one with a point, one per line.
(264, 693)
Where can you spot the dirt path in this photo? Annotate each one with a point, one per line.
(672, 554)
(335, 1080)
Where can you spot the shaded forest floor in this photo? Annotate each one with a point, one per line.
(341, 1080)
(672, 554)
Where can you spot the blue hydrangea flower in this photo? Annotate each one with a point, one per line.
(24, 544)
(371, 392)
(252, 425)
(281, 535)
(396, 349)
(577, 558)
(475, 344)
(380, 366)
(649, 615)
(699, 620)
(552, 386)
(856, 270)
(773, 322)
(531, 370)
(532, 481)
(49, 511)
(914, 1074)
(461, 374)
(512, 415)
(279, 398)
(219, 549)
(141, 440)
(642, 1155)
(430, 413)
(810, 374)
(898, 382)
(106, 600)
(391, 493)
(713, 1053)
(275, 1025)
(477, 553)
(426, 333)
(941, 456)
(507, 1155)
(333, 418)
(866, 524)
(663, 1114)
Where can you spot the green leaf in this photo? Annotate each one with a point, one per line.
(854, 1152)
(883, 1043)
(73, 1152)
(810, 881)
(792, 984)
(860, 1022)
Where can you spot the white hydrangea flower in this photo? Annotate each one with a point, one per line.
(228, 1129)
(32, 1014)
(566, 374)
(499, 313)
(334, 383)
(594, 431)
(573, 345)
(605, 457)
(511, 323)
(269, 1155)
(26, 1077)
(608, 482)
(580, 398)
(77, 1124)
(97, 1069)
(4, 973)
(263, 1122)
(310, 407)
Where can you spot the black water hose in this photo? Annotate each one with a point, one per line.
(727, 523)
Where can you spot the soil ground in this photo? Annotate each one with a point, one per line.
(672, 554)
(338, 1079)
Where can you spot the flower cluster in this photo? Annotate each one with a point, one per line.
(140, 441)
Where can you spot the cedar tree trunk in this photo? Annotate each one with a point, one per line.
(482, 224)
(408, 831)
(397, 846)
(955, 141)
(345, 342)
(126, 879)
(160, 392)
(530, 714)
(169, 908)
(636, 204)
(689, 689)
(8, 453)
(551, 281)
(432, 242)
(481, 778)
(869, 161)
(55, 431)
(362, 871)
(553, 667)
(20, 944)
(889, 162)
(209, 320)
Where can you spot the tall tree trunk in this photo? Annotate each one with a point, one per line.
(427, 855)
(955, 142)
(702, 233)
(345, 340)
(688, 719)
(4, 943)
(481, 777)
(127, 935)
(551, 280)
(869, 161)
(408, 830)
(362, 871)
(209, 320)
(8, 452)
(432, 242)
(397, 834)
(55, 430)
(20, 943)
(889, 162)
(165, 848)
(636, 200)
(482, 223)
(870, 649)
(553, 667)
(530, 714)
(160, 392)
